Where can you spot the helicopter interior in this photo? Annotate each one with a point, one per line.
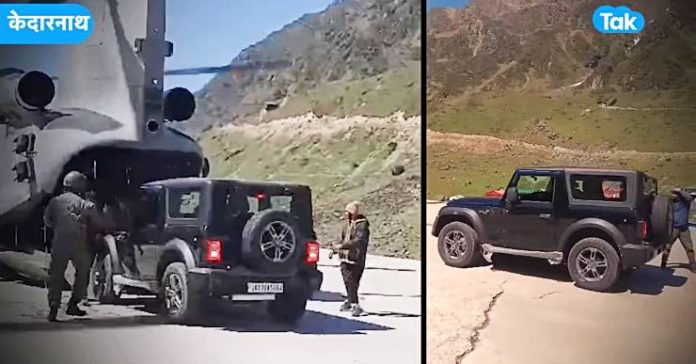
(118, 171)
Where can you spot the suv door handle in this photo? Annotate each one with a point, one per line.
(545, 216)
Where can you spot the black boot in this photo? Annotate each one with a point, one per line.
(53, 314)
(73, 310)
(663, 265)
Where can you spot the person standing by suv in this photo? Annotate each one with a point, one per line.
(352, 253)
(73, 219)
(682, 203)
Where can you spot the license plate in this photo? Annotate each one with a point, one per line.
(253, 287)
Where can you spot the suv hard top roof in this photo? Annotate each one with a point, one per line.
(198, 181)
(578, 170)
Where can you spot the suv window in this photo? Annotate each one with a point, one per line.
(148, 206)
(233, 206)
(535, 188)
(598, 188)
(183, 203)
(263, 202)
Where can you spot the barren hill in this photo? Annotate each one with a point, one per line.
(347, 118)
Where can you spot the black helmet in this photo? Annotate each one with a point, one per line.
(75, 181)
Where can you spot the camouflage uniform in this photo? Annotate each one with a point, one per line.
(73, 219)
(682, 204)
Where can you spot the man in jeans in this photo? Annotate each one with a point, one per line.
(681, 201)
(352, 252)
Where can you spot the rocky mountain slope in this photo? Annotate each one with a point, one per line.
(370, 159)
(352, 40)
(549, 44)
(346, 117)
(537, 72)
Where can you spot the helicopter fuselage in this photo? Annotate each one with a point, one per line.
(107, 119)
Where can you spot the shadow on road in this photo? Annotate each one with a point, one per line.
(374, 268)
(530, 267)
(82, 323)
(648, 279)
(324, 296)
(392, 314)
(9, 275)
(253, 318)
(313, 323)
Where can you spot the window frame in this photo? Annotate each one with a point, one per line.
(604, 178)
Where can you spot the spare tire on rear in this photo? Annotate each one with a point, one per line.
(661, 221)
(272, 242)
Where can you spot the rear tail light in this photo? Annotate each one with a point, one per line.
(643, 225)
(213, 251)
(312, 252)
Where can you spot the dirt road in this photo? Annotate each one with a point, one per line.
(526, 312)
(131, 333)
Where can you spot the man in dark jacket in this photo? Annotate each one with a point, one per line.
(73, 219)
(120, 216)
(352, 252)
(682, 203)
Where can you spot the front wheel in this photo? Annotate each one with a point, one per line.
(457, 245)
(594, 264)
(180, 304)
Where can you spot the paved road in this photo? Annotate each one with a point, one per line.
(526, 312)
(131, 333)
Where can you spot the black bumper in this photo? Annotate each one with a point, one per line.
(226, 283)
(633, 255)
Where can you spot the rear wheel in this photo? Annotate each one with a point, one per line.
(457, 245)
(180, 304)
(594, 264)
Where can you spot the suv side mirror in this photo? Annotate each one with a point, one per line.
(511, 195)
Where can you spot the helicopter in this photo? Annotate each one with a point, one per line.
(99, 108)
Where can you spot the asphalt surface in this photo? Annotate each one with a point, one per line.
(131, 332)
(522, 310)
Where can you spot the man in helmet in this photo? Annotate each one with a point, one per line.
(73, 219)
(681, 201)
(352, 252)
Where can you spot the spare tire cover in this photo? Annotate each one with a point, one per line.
(661, 221)
(272, 242)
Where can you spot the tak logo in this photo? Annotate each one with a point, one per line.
(617, 20)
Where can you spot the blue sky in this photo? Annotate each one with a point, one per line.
(212, 35)
(431, 4)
